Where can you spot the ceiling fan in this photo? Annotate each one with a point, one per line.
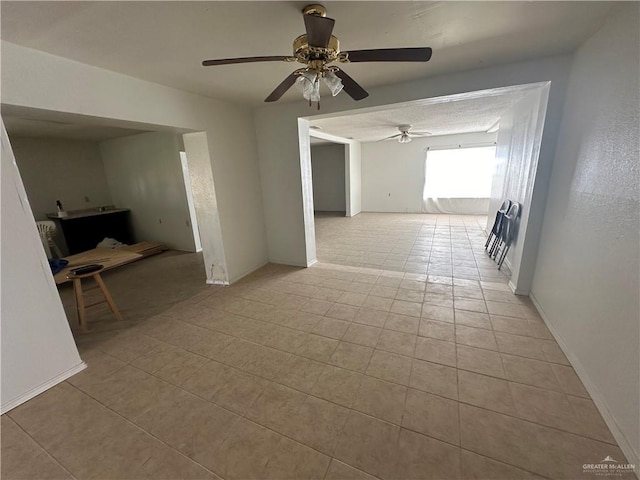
(316, 50)
(406, 134)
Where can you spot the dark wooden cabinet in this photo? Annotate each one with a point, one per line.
(84, 230)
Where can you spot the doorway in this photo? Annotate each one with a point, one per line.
(518, 110)
(328, 174)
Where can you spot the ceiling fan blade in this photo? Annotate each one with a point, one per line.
(391, 55)
(420, 134)
(353, 89)
(391, 137)
(318, 30)
(282, 88)
(229, 61)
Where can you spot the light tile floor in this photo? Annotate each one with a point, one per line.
(401, 355)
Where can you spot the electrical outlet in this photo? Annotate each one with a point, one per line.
(86, 199)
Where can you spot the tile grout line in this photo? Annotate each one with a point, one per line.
(413, 358)
(448, 398)
(138, 427)
(47, 452)
(326, 363)
(352, 321)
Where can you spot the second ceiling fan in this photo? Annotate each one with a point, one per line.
(316, 50)
(406, 134)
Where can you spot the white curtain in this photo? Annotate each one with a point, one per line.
(458, 181)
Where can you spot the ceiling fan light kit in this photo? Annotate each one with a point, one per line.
(308, 83)
(318, 48)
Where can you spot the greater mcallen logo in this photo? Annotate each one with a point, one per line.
(608, 467)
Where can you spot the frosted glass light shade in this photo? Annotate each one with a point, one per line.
(334, 83)
(404, 138)
(309, 85)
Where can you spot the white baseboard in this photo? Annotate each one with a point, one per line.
(508, 262)
(624, 444)
(11, 404)
(312, 262)
(512, 286)
(288, 262)
(515, 290)
(247, 272)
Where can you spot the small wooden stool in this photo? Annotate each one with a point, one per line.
(80, 301)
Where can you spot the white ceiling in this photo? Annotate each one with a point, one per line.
(29, 127)
(30, 122)
(165, 42)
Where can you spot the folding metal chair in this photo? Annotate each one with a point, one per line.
(508, 232)
(498, 225)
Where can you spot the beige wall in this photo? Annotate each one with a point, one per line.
(328, 164)
(145, 175)
(58, 169)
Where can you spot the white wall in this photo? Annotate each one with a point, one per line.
(144, 174)
(280, 154)
(393, 172)
(60, 169)
(190, 201)
(33, 321)
(586, 281)
(517, 178)
(328, 166)
(38, 80)
(353, 175)
(393, 177)
(206, 204)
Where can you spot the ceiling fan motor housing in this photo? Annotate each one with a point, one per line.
(305, 53)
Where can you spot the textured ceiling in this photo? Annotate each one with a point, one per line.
(452, 117)
(165, 42)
